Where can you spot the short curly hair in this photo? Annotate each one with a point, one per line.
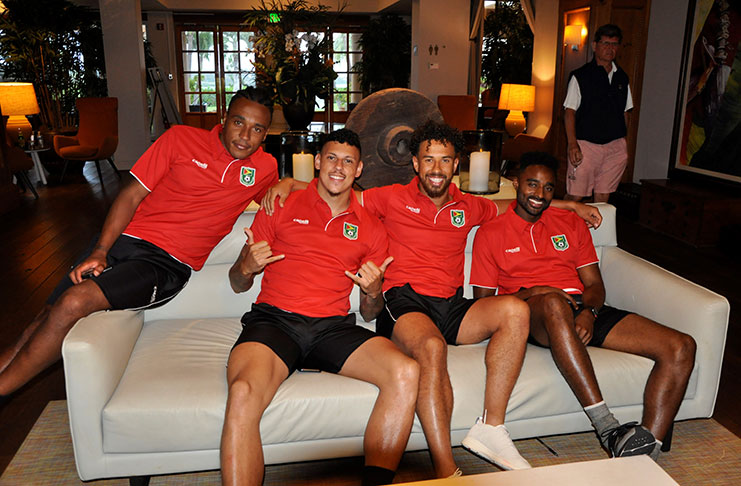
(439, 132)
(343, 135)
(539, 158)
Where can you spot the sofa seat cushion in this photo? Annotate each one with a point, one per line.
(77, 151)
(173, 392)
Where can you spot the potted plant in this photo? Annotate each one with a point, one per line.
(387, 58)
(292, 43)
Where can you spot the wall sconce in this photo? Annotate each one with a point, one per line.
(516, 98)
(18, 100)
(573, 35)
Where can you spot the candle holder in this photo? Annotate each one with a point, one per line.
(297, 151)
(480, 160)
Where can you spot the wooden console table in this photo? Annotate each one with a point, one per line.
(691, 213)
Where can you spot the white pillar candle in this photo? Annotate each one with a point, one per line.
(478, 172)
(303, 167)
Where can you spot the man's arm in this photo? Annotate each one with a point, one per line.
(253, 258)
(119, 216)
(370, 279)
(593, 298)
(573, 150)
(589, 214)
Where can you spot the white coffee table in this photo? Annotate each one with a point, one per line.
(603, 472)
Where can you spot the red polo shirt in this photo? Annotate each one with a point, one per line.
(509, 253)
(311, 279)
(427, 244)
(196, 191)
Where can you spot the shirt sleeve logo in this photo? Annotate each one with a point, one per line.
(350, 231)
(247, 176)
(457, 217)
(560, 242)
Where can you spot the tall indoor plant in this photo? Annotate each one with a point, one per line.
(508, 47)
(387, 57)
(292, 42)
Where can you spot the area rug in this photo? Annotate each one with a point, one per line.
(703, 453)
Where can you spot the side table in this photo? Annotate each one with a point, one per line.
(40, 171)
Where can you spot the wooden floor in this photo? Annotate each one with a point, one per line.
(39, 241)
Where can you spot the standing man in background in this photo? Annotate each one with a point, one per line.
(596, 117)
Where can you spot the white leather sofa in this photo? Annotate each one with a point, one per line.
(146, 390)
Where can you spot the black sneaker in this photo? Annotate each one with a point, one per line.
(629, 439)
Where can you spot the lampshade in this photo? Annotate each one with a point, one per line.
(18, 99)
(572, 35)
(517, 97)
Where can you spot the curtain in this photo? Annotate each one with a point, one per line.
(527, 8)
(475, 38)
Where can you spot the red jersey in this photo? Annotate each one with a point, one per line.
(427, 244)
(510, 253)
(196, 191)
(318, 248)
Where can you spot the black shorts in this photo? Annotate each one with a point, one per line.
(606, 320)
(139, 275)
(321, 343)
(446, 313)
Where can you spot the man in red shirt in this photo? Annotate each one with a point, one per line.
(191, 185)
(428, 221)
(545, 256)
(312, 251)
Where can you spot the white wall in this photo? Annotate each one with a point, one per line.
(445, 24)
(545, 53)
(660, 85)
(124, 62)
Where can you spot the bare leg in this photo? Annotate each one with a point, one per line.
(674, 355)
(36, 350)
(418, 337)
(379, 362)
(254, 373)
(601, 197)
(552, 324)
(7, 354)
(504, 321)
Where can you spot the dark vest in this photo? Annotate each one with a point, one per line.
(600, 117)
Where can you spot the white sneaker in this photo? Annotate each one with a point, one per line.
(493, 444)
(458, 473)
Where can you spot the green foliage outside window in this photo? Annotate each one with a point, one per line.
(508, 47)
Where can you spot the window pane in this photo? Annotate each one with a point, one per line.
(210, 102)
(356, 97)
(206, 41)
(231, 82)
(191, 82)
(340, 84)
(207, 61)
(340, 102)
(230, 40)
(193, 102)
(355, 42)
(244, 40)
(246, 60)
(229, 97)
(190, 61)
(188, 39)
(339, 42)
(354, 59)
(231, 61)
(340, 63)
(208, 83)
(249, 79)
(354, 82)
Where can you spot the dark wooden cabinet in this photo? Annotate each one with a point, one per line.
(691, 213)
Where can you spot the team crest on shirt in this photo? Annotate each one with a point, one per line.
(457, 217)
(247, 176)
(350, 231)
(560, 242)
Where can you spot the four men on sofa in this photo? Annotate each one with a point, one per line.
(320, 242)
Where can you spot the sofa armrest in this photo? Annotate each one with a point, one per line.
(95, 354)
(634, 284)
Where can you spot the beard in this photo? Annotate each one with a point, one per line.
(432, 191)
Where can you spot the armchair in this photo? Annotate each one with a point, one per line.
(97, 136)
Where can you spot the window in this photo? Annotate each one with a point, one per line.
(199, 70)
(346, 53)
(238, 62)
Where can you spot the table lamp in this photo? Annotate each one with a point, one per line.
(16, 101)
(516, 98)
